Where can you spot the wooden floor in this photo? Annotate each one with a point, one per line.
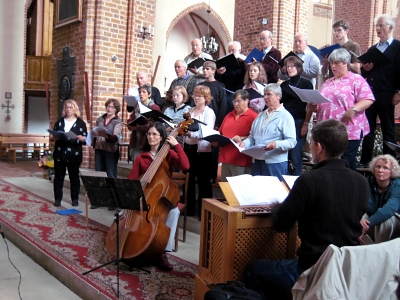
(23, 167)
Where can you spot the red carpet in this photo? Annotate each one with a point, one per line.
(78, 248)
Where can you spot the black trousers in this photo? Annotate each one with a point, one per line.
(60, 168)
(201, 168)
(383, 108)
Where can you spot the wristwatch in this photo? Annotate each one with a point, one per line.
(355, 110)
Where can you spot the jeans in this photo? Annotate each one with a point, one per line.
(259, 167)
(296, 154)
(269, 276)
(60, 168)
(107, 162)
(172, 222)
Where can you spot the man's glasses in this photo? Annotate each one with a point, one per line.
(237, 102)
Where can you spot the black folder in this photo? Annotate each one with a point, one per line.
(253, 94)
(197, 63)
(222, 140)
(291, 53)
(156, 116)
(376, 57)
(138, 121)
(229, 62)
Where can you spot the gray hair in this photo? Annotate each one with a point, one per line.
(269, 33)
(236, 43)
(387, 158)
(388, 20)
(182, 62)
(342, 55)
(274, 87)
(303, 35)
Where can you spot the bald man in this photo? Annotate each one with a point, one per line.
(311, 63)
(142, 78)
(271, 57)
(197, 52)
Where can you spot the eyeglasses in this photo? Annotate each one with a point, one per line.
(152, 134)
(290, 67)
(381, 25)
(237, 102)
(263, 39)
(109, 106)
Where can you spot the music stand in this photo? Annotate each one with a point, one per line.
(120, 193)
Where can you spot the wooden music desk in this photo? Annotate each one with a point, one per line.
(230, 239)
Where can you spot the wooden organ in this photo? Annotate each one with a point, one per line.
(231, 237)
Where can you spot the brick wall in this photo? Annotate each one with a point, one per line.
(108, 28)
(285, 18)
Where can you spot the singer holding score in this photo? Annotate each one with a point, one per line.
(275, 129)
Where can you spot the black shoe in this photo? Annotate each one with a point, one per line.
(57, 203)
(75, 203)
(94, 207)
(112, 208)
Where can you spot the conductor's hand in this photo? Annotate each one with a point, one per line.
(365, 225)
(367, 67)
(172, 141)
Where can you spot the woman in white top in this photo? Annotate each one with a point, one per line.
(199, 151)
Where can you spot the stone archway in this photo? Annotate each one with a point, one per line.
(222, 34)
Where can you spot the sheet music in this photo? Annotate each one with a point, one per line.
(143, 108)
(91, 134)
(252, 190)
(207, 131)
(256, 151)
(290, 179)
(310, 96)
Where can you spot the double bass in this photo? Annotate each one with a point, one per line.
(143, 235)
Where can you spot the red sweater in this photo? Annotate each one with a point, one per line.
(230, 127)
(175, 158)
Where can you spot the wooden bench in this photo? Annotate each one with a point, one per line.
(22, 145)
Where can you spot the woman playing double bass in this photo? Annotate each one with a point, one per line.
(156, 136)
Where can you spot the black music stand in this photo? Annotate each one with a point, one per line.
(120, 193)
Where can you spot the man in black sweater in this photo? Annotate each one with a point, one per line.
(385, 84)
(328, 203)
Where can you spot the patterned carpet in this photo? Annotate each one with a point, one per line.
(78, 248)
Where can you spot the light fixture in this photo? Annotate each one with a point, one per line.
(114, 58)
(264, 21)
(146, 31)
(210, 45)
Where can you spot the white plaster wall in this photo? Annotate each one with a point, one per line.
(12, 62)
(182, 34)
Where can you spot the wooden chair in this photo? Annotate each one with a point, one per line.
(182, 181)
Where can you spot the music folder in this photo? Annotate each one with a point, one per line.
(138, 121)
(156, 116)
(253, 94)
(229, 62)
(62, 135)
(376, 57)
(328, 50)
(291, 53)
(257, 54)
(197, 63)
(130, 100)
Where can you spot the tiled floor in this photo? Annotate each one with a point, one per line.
(37, 283)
